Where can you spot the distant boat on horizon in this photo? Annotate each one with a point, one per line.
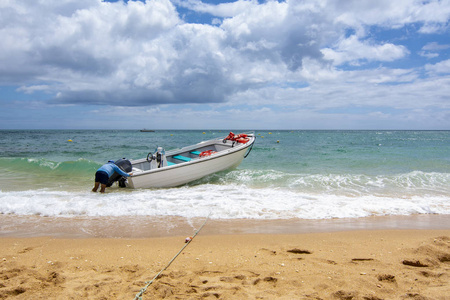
(147, 130)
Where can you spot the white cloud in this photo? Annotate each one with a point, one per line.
(353, 51)
(434, 46)
(442, 67)
(263, 54)
(392, 14)
(107, 52)
(428, 54)
(430, 49)
(33, 88)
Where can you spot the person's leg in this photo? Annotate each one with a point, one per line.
(96, 186)
(102, 189)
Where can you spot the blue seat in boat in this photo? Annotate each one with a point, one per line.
(183, 158)
(196, 152)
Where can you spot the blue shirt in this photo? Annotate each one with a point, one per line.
(110, 168)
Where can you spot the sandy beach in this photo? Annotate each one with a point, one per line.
(368, 264)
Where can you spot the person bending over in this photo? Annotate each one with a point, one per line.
(104, 172)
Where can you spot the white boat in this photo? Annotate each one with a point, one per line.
(177, 167)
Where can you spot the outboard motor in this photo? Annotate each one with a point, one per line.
(126, 166)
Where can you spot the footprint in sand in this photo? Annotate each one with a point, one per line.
(25, 250)
(361, 259)
(299, 251)
(386, 277)
(416, 263)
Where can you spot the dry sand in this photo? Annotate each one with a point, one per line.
(371, 264)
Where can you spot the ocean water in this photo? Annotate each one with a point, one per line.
(288, 174)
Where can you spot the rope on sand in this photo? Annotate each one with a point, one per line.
(148, 283)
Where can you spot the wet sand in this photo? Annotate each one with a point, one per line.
(352, 259)
(148, 227)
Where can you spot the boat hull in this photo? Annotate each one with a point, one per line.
(179, 174)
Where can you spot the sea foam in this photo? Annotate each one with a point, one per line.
(232, 201)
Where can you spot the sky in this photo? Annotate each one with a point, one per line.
(246, 64)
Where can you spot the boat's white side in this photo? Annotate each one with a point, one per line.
(182, 173)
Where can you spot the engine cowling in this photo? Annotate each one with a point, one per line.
(126, 166)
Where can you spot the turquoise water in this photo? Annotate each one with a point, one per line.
(288, 174)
